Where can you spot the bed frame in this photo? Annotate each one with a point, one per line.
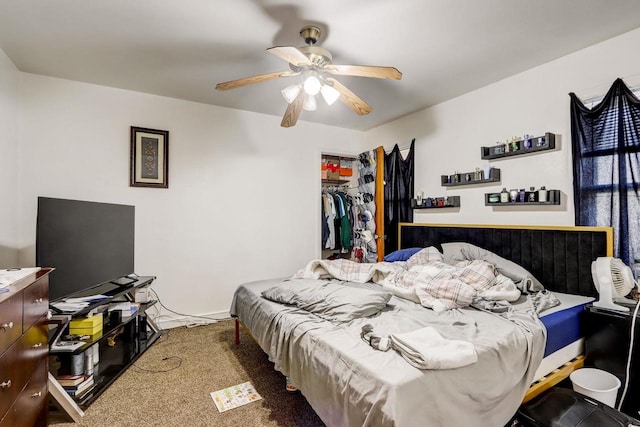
(559, 256)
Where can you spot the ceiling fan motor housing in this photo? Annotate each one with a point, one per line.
(310, 34)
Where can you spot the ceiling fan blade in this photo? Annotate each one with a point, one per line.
(349, 98)
(293, 111)
(365, 71)
(290, 54)
(254, 79)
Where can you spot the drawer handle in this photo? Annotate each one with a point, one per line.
(38, 394)
(37, 345)
(6, 326)
(5, 384)
(38, 300)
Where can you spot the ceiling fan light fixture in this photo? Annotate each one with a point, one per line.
(290, 93)
(312, 85)
(330, 94)
(314, 64)
(310, 103)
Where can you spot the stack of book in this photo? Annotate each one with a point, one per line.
(75, 385)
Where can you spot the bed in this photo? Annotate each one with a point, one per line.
(350, 382)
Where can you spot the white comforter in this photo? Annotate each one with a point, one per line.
(425, 278)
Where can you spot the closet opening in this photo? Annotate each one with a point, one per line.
(348, 207)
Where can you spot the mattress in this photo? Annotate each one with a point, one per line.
(564, 337)
(348, 383)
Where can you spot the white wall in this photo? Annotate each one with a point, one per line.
(449, 135)
(243, 196)
(9, 161)
(243, 202)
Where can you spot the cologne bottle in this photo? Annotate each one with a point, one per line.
(504, 196)
(542, 194)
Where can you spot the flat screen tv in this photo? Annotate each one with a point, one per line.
(90, 245)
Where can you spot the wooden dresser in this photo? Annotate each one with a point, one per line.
(24, 350)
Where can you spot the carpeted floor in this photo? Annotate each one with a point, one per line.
(209, 361)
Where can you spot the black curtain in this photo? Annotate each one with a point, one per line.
(605, 145)
(398, 192)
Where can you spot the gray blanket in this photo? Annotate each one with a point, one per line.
(348, 383)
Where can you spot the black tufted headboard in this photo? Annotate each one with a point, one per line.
(560, 257)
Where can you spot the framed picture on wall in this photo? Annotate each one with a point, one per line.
(149, 158)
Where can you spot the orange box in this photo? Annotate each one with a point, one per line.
(345, 167)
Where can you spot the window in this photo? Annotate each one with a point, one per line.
(606, 146)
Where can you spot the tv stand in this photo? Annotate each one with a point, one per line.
(121, 342)
(124, 281)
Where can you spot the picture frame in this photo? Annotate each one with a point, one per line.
(149, 158)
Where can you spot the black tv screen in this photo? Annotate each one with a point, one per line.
(88, 244)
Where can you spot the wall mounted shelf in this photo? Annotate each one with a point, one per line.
(553, 198)
(538, 143)
(335, 182)
(437, 202)
(468, 178)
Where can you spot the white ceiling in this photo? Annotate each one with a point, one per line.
(181, 49)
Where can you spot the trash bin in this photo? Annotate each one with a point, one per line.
(597, 384)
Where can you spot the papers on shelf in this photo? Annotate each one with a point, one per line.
(88, 299)
(126, 307)
(67, 345)
(71, 305)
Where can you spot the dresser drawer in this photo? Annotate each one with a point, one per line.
(30, 407)
(35, 346)
(26, 356)
(10, 321)
(12, 376)
(36, 301)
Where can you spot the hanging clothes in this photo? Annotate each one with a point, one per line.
(398, 192)
(323, 222)
(336, 216)
(330, 215)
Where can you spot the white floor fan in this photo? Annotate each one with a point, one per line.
(613, 279)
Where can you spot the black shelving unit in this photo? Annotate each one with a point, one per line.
(538, 143)
(467, 179)
(121, 342)
(451, 202)
(553, 198)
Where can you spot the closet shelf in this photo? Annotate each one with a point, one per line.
(538, 143)
(336, 181)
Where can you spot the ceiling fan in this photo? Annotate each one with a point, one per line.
(314, 64)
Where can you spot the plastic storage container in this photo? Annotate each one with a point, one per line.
(596, 383)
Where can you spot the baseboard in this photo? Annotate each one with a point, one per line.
(169, 321)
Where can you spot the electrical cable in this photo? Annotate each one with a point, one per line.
(633, 327)
(183, 314)
(155, 371)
